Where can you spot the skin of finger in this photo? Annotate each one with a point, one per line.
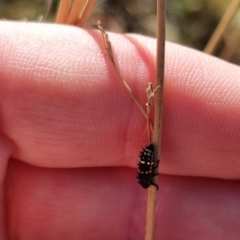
(3, 234)
(62, 100)
(6, 150)
(63, 104)
(104, 203)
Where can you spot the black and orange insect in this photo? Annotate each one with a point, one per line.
(146, 167)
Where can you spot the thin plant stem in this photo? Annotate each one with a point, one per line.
(150, 95)
(63, 11)
(158, 116)
(108, 48)
(76, 10)
(217, 35)
(86, 12)
(231, 45)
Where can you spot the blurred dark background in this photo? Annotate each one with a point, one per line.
(188, 22)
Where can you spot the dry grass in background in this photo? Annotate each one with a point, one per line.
(189, 22)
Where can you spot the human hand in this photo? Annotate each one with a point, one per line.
(77, 133)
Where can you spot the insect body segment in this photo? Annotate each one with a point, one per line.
(146, 167)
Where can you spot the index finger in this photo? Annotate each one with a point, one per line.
(63, 105)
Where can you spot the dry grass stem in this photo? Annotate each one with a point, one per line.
(107, 43)
(76, 10)
(157, 132)
(109, 51)
(231, 45)
(63, 11)
(86, 12)
(215, 39)
(150, 95)
(152, 190)
(76, 13)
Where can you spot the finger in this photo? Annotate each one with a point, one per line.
(64, 106)
(105, 203)
(3, 234)
(6, 150)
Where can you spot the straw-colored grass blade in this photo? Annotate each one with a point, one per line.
(63, 11)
